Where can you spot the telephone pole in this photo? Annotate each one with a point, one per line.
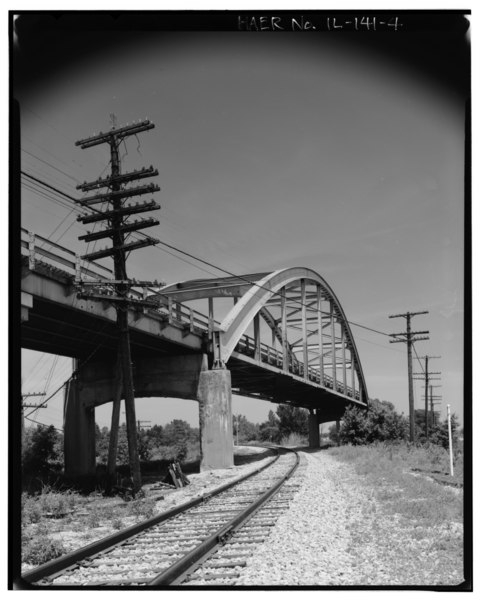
(434, 400)
(409, 337)
(427, 379)
(23, 405)
(118, 229)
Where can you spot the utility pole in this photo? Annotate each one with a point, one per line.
(118, 229)
(23, 405)
(434, 400)
(409, 339)
(427, 379)
(450, 440)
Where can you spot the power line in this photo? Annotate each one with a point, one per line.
(43, 424)
(99, 332)
(50, 165)
(208, 263)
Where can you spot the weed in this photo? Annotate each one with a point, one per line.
(39, 550)
(142, 509)
(388, 472)
(31, 511)
(94, 517)
(117, 523)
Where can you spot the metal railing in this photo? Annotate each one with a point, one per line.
(41, 250)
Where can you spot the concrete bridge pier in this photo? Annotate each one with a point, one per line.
(314, 432)
(216, 425)
(176, 376)
(79, 434)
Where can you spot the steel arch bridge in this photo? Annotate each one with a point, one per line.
(284, 336)
(280, 336)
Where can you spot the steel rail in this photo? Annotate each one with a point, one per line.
(175, 573)
(57, 565)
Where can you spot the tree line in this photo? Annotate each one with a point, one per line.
(381, 423)
(43, 446)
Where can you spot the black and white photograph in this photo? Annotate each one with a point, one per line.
(240, 318)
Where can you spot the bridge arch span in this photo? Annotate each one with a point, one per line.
(283, 292)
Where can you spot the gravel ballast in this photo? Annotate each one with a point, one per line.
(337, 531)
(336, 534)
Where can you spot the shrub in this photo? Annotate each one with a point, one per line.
(292, 419)
(380, 423)
(117, 523)
(53, 503)
(142, 509)
(439, 434)
(39, 550)
(31, 510)
(41, 447)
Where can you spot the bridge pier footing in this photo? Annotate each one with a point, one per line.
(314, 433)
(79, 435)
(216, 427)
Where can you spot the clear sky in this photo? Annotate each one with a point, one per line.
(331, 152)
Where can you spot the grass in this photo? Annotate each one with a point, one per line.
(429, 459)
(409, 517)
(45, 515)
(56, 521)
(400, 477)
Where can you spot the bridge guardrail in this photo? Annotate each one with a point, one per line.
(40, 249)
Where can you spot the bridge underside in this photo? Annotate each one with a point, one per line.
(250, 379)
(81, 334)
(58, 329)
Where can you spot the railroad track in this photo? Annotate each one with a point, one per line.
(205, 541)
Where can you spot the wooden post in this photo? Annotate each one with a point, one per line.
(114, 433)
